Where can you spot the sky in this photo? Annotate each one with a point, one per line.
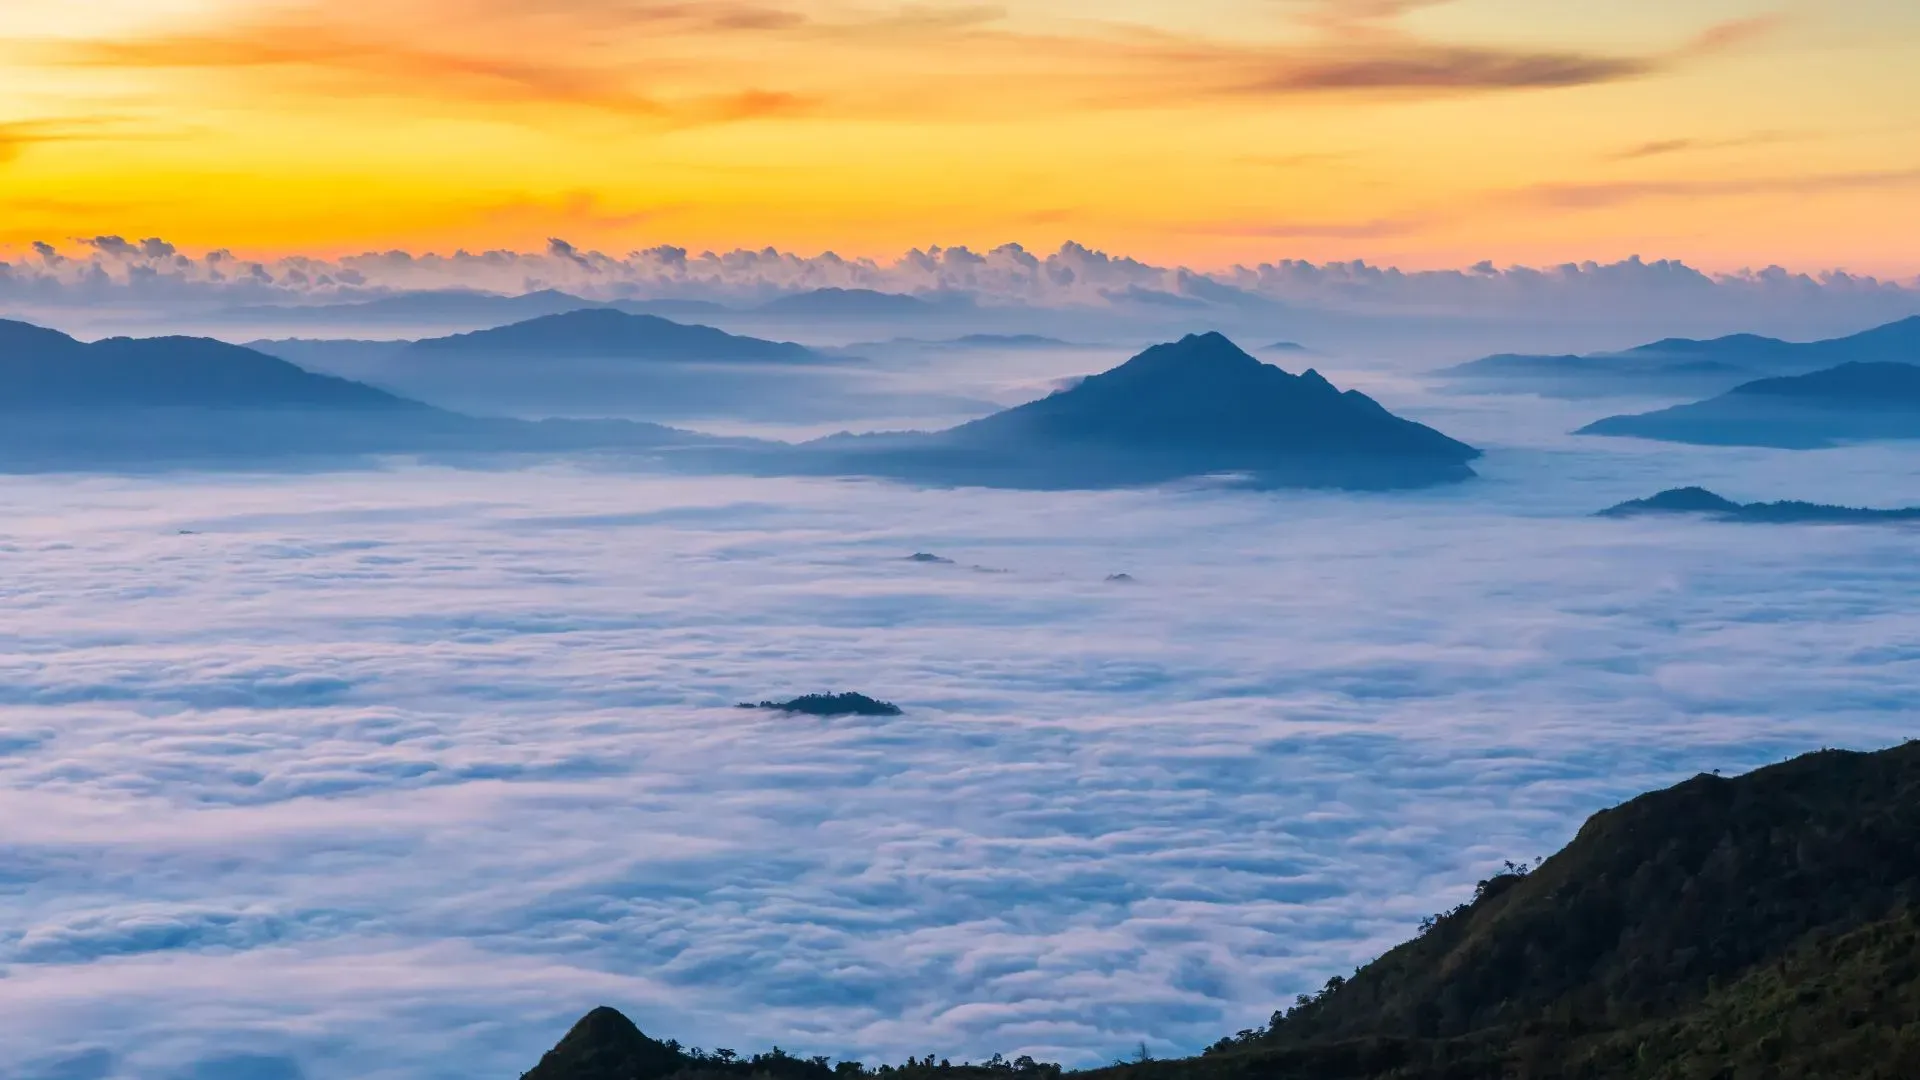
(1424, 133)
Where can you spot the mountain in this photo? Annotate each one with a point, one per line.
(45, 369)
(1683, 365)
(847, 304)
(1196, 407)
(1852, 402)
(601, 362)
(415, 309)
(605, 334)
(157, 402)
(605, 1045)
(1694, 500)
(1764, 926)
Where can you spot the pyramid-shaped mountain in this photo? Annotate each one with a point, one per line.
(1196, 407)
(1202, 394)
(606, 334)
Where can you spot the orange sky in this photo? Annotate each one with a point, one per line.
(1419, 132)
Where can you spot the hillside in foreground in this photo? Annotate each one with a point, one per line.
(1763, 926)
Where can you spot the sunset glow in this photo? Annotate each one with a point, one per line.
(1423, 132)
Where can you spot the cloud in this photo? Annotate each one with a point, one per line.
(19, 136)
(1435, 67)
(1074, 291)
(1664, 147)
(1734, 33)
(682, 64)
(1580, 196)
(1107, 815)
(1378, 227)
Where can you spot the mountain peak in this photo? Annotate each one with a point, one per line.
(605, 1045)
(1202, 405)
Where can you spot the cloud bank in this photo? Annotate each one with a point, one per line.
(113, 270)
(389, 775)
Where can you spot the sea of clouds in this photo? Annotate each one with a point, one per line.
(390, 775)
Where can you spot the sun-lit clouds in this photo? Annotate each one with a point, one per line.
(675, 62)
(1592, 195)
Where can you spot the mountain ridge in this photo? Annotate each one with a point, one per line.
(1855, 401)
(607, 333)
(1701, 502)
(1702, 365)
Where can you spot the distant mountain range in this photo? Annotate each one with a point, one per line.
(604, 334)
(1849, 403)
(414, 311)
(1686, 366)
(1195, 407)
(161, 401)
(849, 304)
(970, 341)
(1699, 501)
(1765, 926)
(418, 308)
(596, 361)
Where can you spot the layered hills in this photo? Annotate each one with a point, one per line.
(1763, 926)
(1193, 408)
(1849, 403)
(1196, 407)
(149, 402)
(594, 361)
(1686, 366)
(1700, 502)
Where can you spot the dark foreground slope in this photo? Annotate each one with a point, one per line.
(1687, 366)
(1196, 407)
(1756, 927)
(1849, 403)
(161, 402)
(1703, 503)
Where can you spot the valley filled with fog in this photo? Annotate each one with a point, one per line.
(319, 773)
